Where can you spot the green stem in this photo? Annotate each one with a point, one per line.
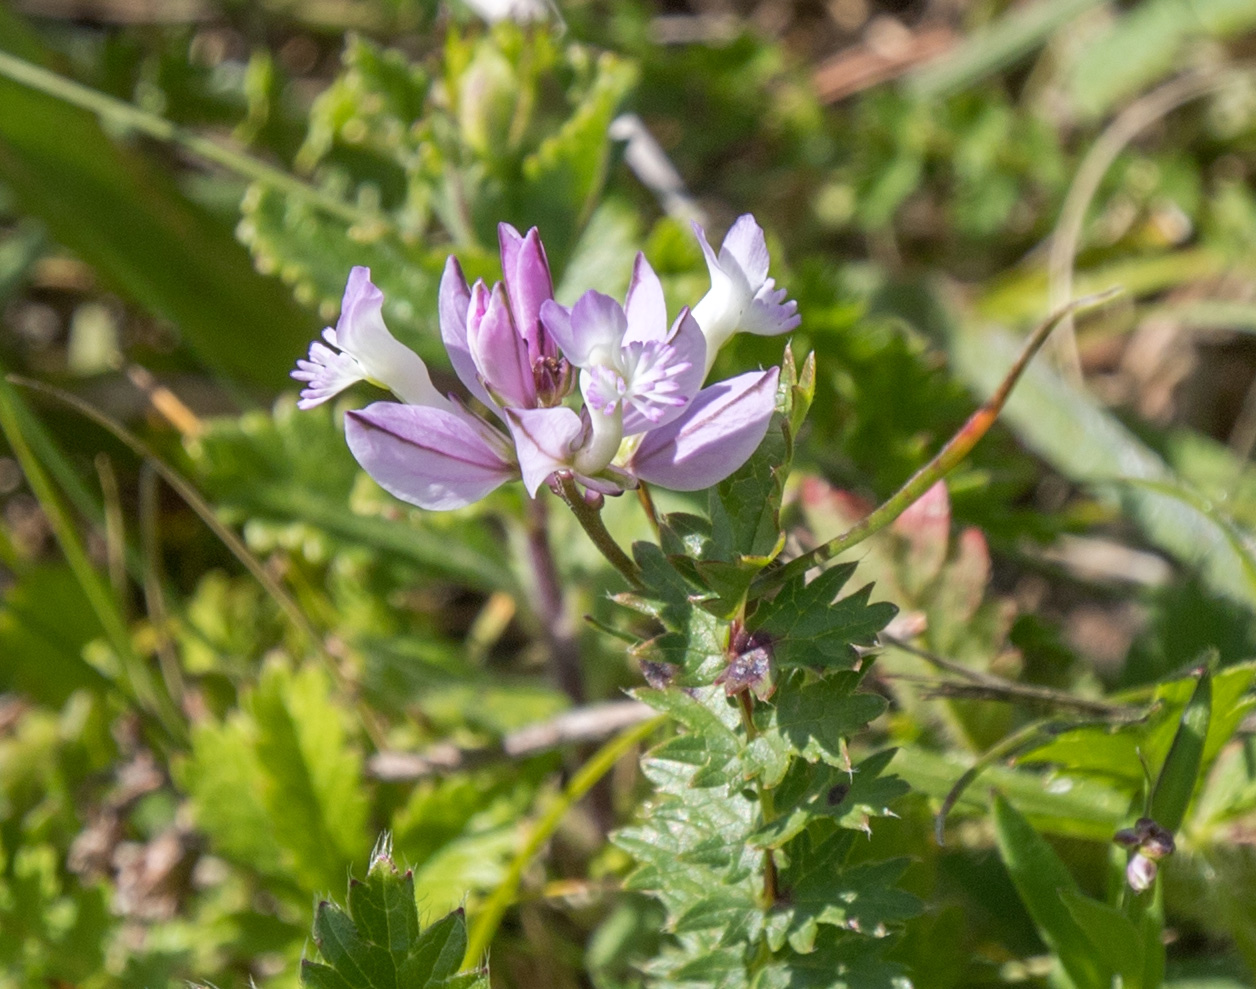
(956, 449)
(132, 117)
(590, 520)
(490, 917)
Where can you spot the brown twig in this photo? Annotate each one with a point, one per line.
(578, 726)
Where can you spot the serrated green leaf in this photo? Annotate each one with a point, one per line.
(717, 754)
(362, 964)
(745, 507)
(380, 946)
(817, 716)
(840, 960)
(437, 954)
(733, 914)
(817, 889)
(850, 798)
(319, 976)
(383, 907)
(810, 628)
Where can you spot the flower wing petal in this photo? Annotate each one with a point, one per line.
(718, 432)
(438, 459)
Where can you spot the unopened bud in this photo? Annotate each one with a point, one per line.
(1140, 873)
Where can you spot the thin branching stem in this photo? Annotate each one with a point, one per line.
(956, 449)
(557, 626)
(590, 519)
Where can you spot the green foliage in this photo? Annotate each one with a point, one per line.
(128, 218)
(904, 218)
(376, 943)
(471, 142)
(275, 787)
(747, 838)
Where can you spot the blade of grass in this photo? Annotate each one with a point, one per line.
(135, 679)
(187, 491)
(127, 219)
(1180, 772)
(488, 919)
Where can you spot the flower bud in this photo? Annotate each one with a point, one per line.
(1140, 873)
(489, 91)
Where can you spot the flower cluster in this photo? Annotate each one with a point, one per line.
(606, 393)
(1150, 843)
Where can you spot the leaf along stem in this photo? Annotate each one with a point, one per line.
(956, 449)
(590, 520)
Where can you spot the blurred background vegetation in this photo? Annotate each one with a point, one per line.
(199, 692)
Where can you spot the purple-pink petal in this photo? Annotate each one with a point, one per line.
(769, 314)
(435, 458)
(359, 310)
(526, 272)
(746, 244)
(644, 306)
(717, 433)
(500, 354)
(453, 304)
(545, 441)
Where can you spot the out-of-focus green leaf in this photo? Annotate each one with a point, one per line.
(1180, 772)
(129, 221)
(292, 467)
(18, 251)
(1144, 44)
(1113, 937)
(45, 623)
(1016, 33)
(1119, 756)
(278, 786)
(1043, 881)
(1065, 805)
(1090, 446)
